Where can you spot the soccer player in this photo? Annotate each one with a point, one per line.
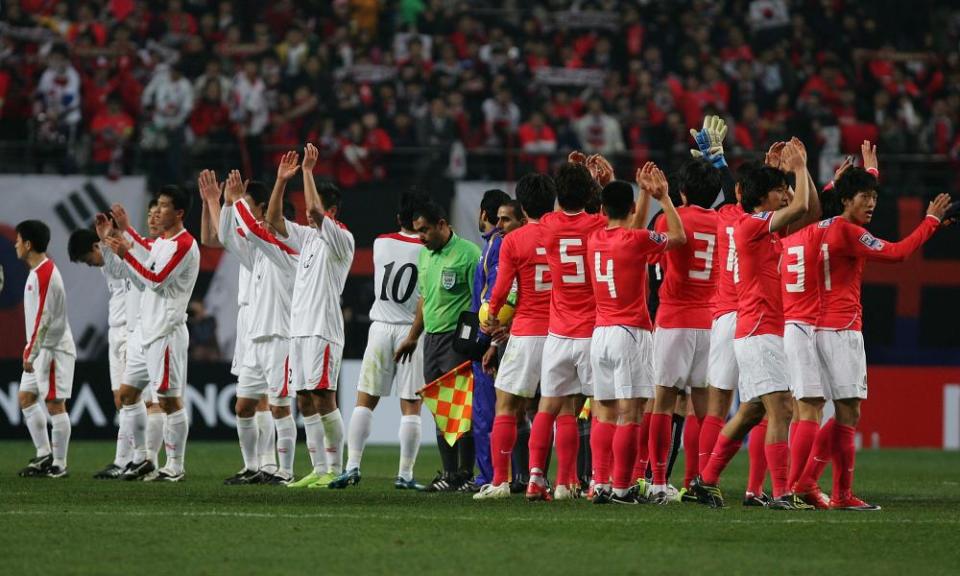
(758, 343)
(446, 265)
(523, 262)
(622, 349)
(167, 277)
(49, 356)
(681, 343)
(84, 247)
(846, 247)
(395, 259)
(326, 250)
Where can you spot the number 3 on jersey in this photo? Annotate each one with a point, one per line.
(393, 291)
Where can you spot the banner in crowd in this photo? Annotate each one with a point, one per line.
(64, 203)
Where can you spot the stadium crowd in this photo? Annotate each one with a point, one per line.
(85, 80)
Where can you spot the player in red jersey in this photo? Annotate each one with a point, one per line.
(681, 343)
(621, 350)
(523, 262)
(758, 344)
(845, 247)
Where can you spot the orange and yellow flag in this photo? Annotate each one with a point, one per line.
(450, 399)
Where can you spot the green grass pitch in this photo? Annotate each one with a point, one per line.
(79, 525)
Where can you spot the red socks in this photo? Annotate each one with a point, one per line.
(540, 439)
(820, 456)
(624, 454)
(568, 445)
(801, 443)
(844, 457)
(778, 458)
(643, 448)
(691, 448)
(723, 451)
(709, 430)
(502, 438)
(758, 458)
(661, 428)
(601, 450)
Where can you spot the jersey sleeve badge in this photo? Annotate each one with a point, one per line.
(871, 241)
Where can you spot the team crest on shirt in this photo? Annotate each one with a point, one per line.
(871, 241)
(658, 237)
(826, 223)
(448, 278)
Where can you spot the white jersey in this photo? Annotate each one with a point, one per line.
(133, 293)
(274, 274)
(167, 278)
(45, 312)
(396, 292)
(326, 254)
(244, 252)
(117, 286)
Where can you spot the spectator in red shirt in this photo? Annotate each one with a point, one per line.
(538, 141)
(210, 119)
(111, 129)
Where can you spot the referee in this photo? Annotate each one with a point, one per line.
(446, 272)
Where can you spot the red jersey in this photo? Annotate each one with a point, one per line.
(844, 249)
(725, 298)
(800, 273)
(690, 271)
(523, 260)
(618, 265)
(572, 306)
(759, 297)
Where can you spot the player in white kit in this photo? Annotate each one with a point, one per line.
(395, 258)
(316, 321)
(49, 356)
(167, 276)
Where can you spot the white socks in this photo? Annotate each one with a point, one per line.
(247, 432)
(313, 429)
(286, 443)
(156, 422)
(409, 444)
(36, 420)
(133, 425)
(175, 440)
(124, 452)
(333, 440)
(360, 423)
(61, 438)
(266, 441)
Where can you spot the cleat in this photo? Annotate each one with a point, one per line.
(706, 493)
(278, 478)
(36, 467)
(789, 501)
(537, 491)
(566, 492)
(631, 497)
(851, 502)
(244, 477)
(601, 494)
(661, 498)
(470, 487)
(56, 472)
(672, 493)
(348, 478)
(815, 498)
(686, 496)
(138, 470)
(111, 472)
(164, 475)
(643, 487)
(324, 480)
(305, 481)
(751, 500)
(402, 484)
(518, 486)
(591, 490)
(442, 482)
(493, 492)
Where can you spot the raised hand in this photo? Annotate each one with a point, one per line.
(233, 189)
(869, 153)
(645, 177)
(774, 155)
(310, 156)
(210, 190)
(800, 148)
(103, 226)
(938, 207)
(600, 169)
(577, 157)
(792, 159)
(844, 166)
(660, 185)
(289, 166)
(118, 244)
(709, 140)
(120, 216)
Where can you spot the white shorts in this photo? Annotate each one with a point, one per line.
(135, 369)
(240, 345)
(167, 363)
(566, 367)
(379, 373)
(803, 365)
(722, 370)
(314, 363)
(622, 363)
(680, 357)
(117, 354)
(763, 366)
(52, 376)
(266, 371)
(843, 363)
(519, 372)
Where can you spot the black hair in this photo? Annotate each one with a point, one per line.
(575, 185)
(853, 181)
(178, 197)
(410, 201)
(330, 195)
(81, 243)
(699, 181)
(537, 194)
(431, 212)
(617, 198)
(491, 202)
(36, 233)
(516, 207)
(756, 180)
(259, 192)
(152, 204)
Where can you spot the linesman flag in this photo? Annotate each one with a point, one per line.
(450, 398)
